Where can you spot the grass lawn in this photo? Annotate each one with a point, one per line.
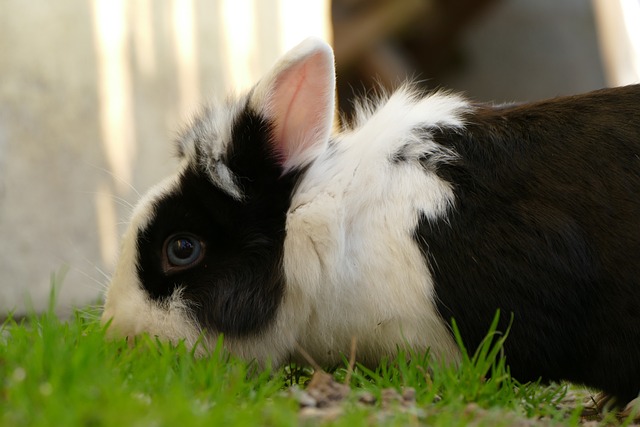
(64, 373)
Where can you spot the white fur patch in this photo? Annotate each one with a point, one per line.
(352, 265)
(206, 141)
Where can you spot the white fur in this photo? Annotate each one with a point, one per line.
(350, 258)
(352, 268)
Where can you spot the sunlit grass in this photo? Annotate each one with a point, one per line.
(65, 373)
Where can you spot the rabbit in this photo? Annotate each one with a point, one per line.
(279, 232)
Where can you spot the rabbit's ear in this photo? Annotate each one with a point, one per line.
(297, 97)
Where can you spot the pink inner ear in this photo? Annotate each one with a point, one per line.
(291, 118)
(301, 104)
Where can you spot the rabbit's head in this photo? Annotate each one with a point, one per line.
(203, 254)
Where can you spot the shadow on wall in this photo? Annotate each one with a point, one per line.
(508, 50)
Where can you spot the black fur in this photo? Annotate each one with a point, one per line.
(546, 226)
(237, 288)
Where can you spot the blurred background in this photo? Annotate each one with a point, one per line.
(92, 94)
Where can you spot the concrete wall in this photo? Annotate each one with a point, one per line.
(91, 94)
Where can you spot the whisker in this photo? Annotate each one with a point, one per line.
(102, 286)
(122, 201)
(91, 312)
(104, 274)
(114, 176)
(119, 200)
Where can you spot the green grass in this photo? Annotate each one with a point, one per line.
(65, 373)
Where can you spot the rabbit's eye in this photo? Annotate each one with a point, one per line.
(182, 251)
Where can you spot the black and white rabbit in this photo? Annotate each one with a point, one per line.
(276, 233)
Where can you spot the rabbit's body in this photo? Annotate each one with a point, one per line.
(546, 225)
(427, 208)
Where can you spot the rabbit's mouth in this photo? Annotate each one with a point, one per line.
(170, 319)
